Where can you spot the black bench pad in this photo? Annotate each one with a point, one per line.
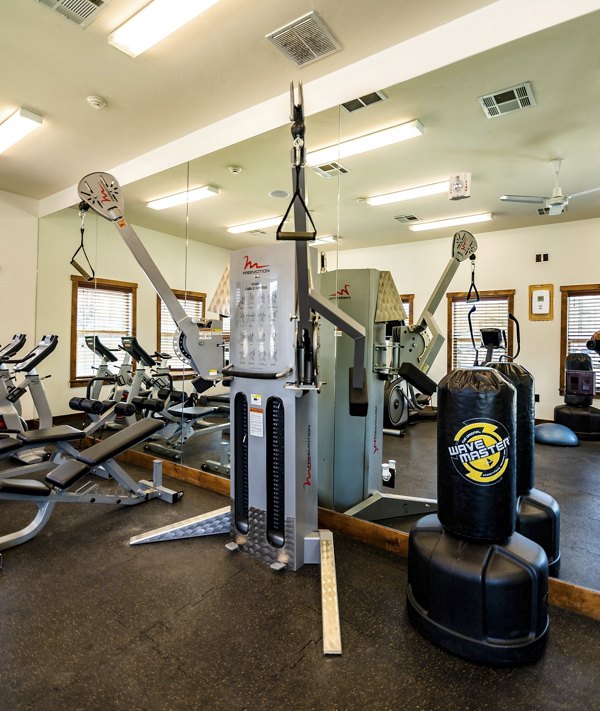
(28, 487)
(8, 444)
(120, 442)
(67, 473)
(51, 434)
(191, 413)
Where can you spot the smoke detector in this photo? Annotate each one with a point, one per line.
(96, 102)
(304, 40)
(82, 12)
(508, 100)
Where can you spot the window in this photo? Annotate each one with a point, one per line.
(492, 311)
(102, 308)
(407, 304)
(579, 320)
(193, 303)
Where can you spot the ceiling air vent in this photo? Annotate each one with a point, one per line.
(407, 218)
(508, 100)
(304, 40)
(82, 12)
(328, 170)
(362, 101)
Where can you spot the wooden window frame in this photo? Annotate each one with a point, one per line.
(410, 298)
(198, 296)
(489, 295)
(78, 282)
(565, 293)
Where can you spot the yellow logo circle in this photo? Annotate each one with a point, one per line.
(480, 451)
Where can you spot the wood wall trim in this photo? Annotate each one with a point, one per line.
(567, 596)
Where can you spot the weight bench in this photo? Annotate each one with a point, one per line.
(97, 459)
(185, 422)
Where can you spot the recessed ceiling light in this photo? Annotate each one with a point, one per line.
(279, 193)
(368, 142)
(201, 193)
(409, 193)
(154, 22)
(256, 225)
(18, 125)
(451, 222)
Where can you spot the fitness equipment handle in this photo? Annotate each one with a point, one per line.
(235, 373)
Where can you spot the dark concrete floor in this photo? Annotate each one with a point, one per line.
(88, 622)
(570, 474)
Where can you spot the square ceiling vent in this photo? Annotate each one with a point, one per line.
(304, 40)
(329, 170)
(362, 102)
(508, 100)
(82, 12)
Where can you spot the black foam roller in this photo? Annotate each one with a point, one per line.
(523, 382)
(476, 454)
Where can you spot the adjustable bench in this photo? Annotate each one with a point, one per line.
(97, 459)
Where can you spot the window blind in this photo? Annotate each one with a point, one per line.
(106, 313)
(194, 307)
(583, 320)
(490, 313)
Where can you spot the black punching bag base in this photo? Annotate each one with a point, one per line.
(538, 518)
(485, 602)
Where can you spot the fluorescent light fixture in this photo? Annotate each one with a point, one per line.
(17, 126)
(409, 193)
(257, 225)
(451, 222)
(154, 22)
(325, 239)
(362, 144)
(201, 193)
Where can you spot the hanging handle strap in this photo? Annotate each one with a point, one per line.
(297, 197)
(469, 318)
(473, 294)
(83, 208)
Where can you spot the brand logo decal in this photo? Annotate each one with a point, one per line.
(308, 480)
(251, 267)
(105, 197)
(375, 443)
(480, 451)
(343, 293)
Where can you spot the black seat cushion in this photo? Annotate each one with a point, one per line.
(120, 442)
(28, 487)
(51, 434)
(190, 413)
(67, 473)
(8, 444)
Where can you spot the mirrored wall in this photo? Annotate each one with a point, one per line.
(192, 245)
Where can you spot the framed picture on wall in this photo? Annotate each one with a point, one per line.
(541, 302)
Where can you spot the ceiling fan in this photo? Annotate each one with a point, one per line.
(557, 203)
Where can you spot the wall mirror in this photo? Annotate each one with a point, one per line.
(510, 154)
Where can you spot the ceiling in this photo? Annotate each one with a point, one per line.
(184, 84)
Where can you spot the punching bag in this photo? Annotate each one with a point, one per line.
(476, 454)
(523, 382)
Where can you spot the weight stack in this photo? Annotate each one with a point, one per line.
(475, 587)
(538, 514)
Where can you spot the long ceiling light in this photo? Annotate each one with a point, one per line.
(201, 193)
(17, 126)
(257, 225)
(154, 22)
(409, 193)
(451, 222)
(362, 144)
